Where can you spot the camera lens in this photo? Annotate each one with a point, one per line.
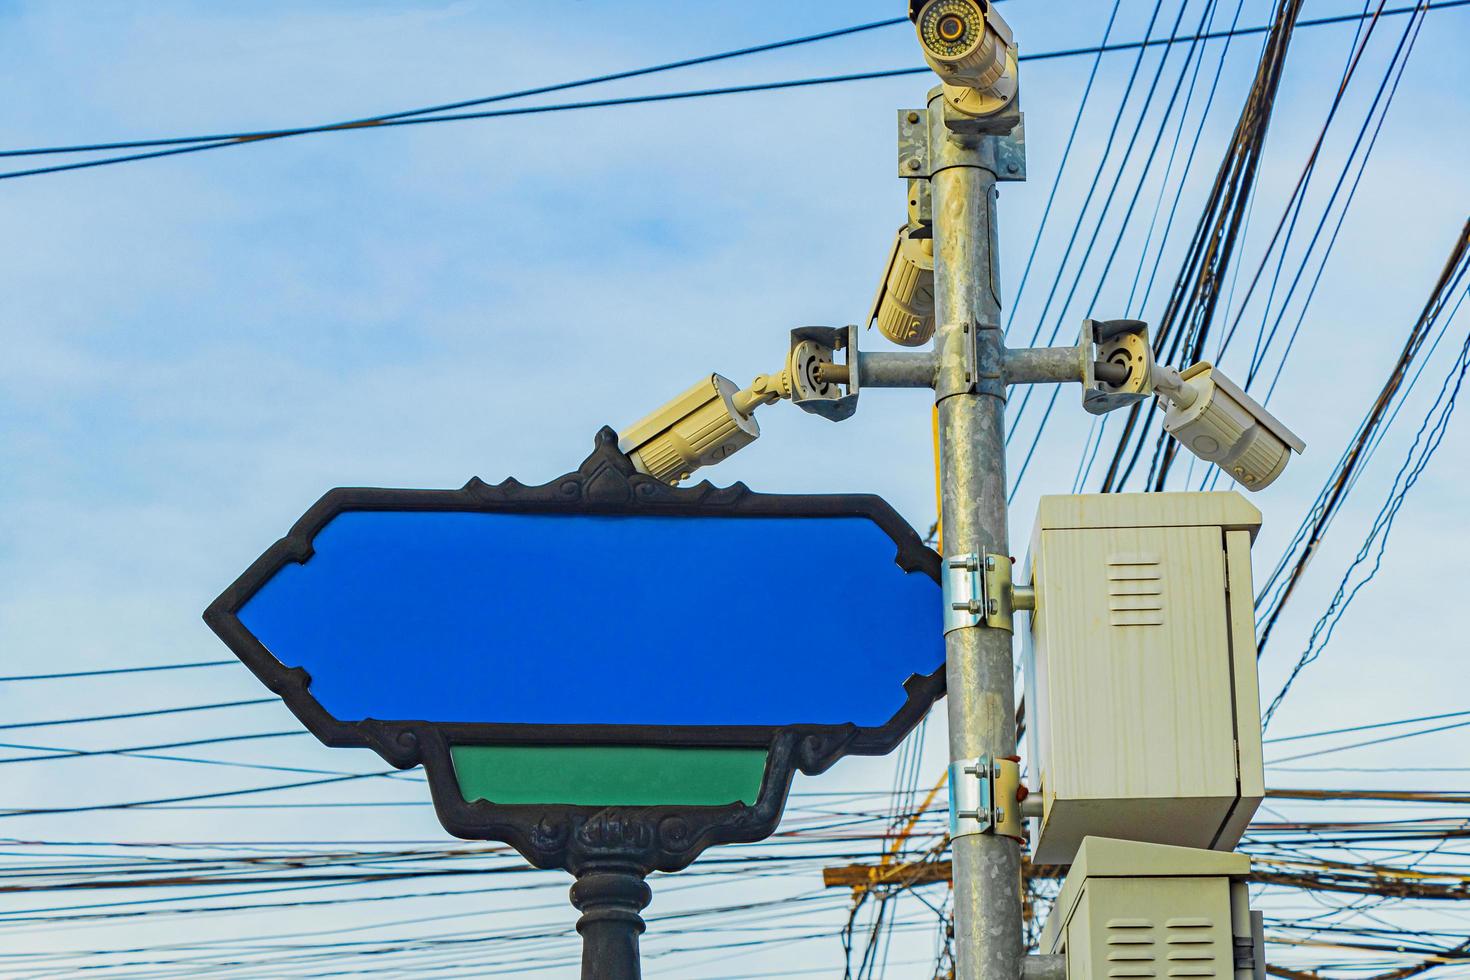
(950, 29)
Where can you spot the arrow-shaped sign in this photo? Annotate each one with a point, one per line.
(603, 664)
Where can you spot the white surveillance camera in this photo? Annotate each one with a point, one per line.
(971, 48)
(702, 426)
(716, 418)
(1218, 422)
(904, 304)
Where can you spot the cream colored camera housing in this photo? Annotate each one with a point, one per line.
(699, 428)
(904, 306)
(1218, 422)
(971, 48)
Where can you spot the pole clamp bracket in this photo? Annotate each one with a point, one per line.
(982, 797)
(978, 591)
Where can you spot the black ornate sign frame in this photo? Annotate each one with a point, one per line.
(583, 839)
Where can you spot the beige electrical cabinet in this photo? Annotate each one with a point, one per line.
(1133, 910)
(1142, 709)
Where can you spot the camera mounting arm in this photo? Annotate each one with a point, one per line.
(715, 418)
(1204, 410)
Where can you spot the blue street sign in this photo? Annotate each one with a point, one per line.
(459, 616)
(602, 641)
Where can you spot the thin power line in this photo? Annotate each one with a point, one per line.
(1364, 728)
(136, 749)
(411, 118)
(1375, 741)
(466, 103)
(1431, 431)
(117, 670)
(135, 714)
(134, 804)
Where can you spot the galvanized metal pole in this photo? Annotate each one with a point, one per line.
(970, 391)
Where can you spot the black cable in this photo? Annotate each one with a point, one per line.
(1375, 741)
(462, 116)
(463, 103)
(1102, 163)
(1393, 73)
(1196, 288)
(1061, 168)
(117, 670)
(1153, 220)
(404, 119)
(1432, 431)
(85, 753)
(1298, 191)
(135, 804)
(1143, 175)
(1085, 463)
(1364, 728)
(59, 754)
(1287, 574)
(136, 714)
(1336, 231)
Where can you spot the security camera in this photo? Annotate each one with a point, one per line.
(716, 418)
(904, 304)
(971, 48)
(702, 426)
(1218, 422)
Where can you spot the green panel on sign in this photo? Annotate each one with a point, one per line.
(608, 775)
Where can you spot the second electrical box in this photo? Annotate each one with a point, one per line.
(1131, 910)
(1143, 714)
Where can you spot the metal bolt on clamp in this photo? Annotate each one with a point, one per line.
(982, 797)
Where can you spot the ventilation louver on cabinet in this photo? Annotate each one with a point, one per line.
(1191, 947)
(1130, 948)
(1135, 590)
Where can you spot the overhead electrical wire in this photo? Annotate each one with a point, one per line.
(1394, 74)
(1376, 741)
(1431, 432)
(1279, 587)
(1337, 228)
(1143, 175)
(14, 678)
(412, 117)
(543, 945)
(342, 873)
(1196, 290)
(1387, 86)
(463, 103)
(59, 754)
(1107, 143)
(10, 726)
(1098, 429)
(1165, 447)
(135, 750)
(1051, 195)
(138, 804)
(1299, 188)
(1366, 727)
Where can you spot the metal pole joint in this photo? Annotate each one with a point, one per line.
(610, 900)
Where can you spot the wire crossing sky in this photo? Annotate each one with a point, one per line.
(197, 349)
(440, 113)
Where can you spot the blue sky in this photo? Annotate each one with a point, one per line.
(196, 347)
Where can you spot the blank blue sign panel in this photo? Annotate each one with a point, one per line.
(571, 619)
